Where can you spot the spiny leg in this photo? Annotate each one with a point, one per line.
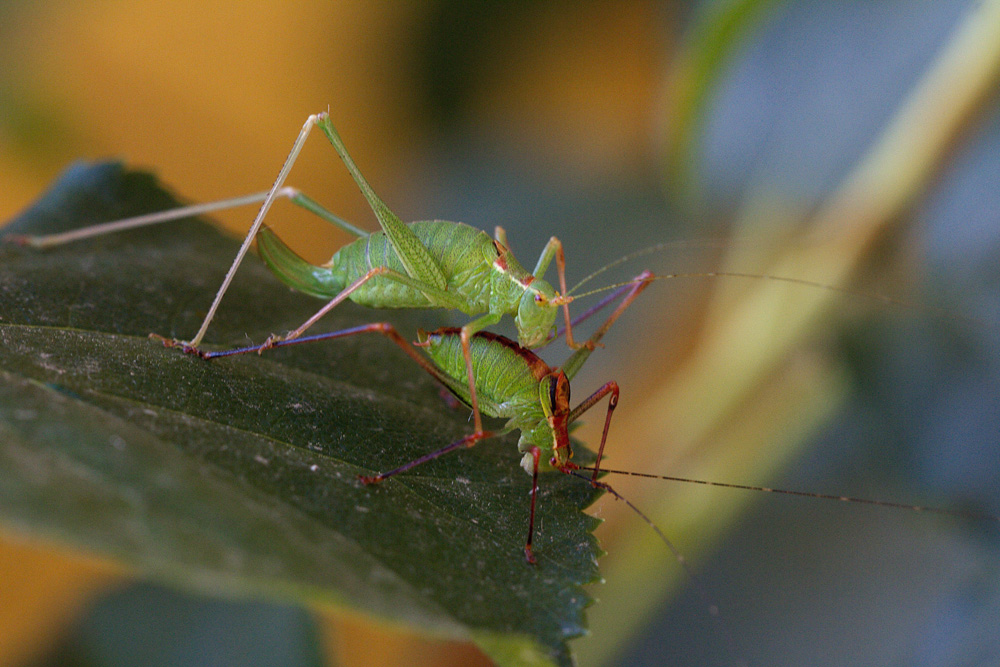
(273, 339)
(383, 328)
(555, 248)
(315, 119)
(466, 337)
(563, 416)
(611, 388)
(576, 361)
(593, 310)
(277, 190)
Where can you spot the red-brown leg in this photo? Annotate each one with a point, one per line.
(528, 553)
(467, 441)
(608, 388)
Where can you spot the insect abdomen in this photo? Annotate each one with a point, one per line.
(506, 374)
(462, 252)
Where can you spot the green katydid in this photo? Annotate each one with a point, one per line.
(512, 383)
(424, 264)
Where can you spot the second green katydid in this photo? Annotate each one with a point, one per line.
(512, 383)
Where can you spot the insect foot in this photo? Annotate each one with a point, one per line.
(186, 347)
(270, 342)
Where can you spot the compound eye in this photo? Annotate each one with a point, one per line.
(539, 299)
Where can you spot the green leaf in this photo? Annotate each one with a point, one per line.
(238, 476)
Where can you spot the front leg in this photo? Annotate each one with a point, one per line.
(466, 336)
(554, 248)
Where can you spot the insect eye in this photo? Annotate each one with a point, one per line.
(539, 299)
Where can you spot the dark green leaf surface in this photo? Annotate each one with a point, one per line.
(238, 476)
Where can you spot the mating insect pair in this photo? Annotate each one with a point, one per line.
(512, 383)
(431, 264)
(434, 264)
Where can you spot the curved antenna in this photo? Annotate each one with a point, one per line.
(700, 588)
(649, 250)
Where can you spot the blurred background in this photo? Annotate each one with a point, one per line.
(852, 144)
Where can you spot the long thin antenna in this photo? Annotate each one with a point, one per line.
(978, 516)
(931, 310)
(649, 250)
